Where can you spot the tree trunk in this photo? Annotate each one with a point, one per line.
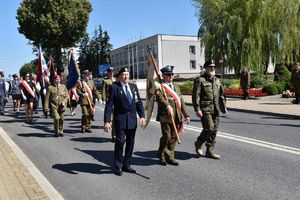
(59, 64)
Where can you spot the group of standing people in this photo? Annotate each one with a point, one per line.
(124, 104)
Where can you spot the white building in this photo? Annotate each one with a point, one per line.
(183, 52)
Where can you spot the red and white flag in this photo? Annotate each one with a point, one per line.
(42, 65)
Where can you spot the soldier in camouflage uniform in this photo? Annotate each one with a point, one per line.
(57, 96)
(86, 89)
(172, 107)
(208, 101)
(106, 84)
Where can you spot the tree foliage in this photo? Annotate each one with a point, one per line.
(54, 24)
(30, 67)
(94, 51)
(250, 32)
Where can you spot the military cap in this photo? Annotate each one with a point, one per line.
(209, 63)
(167, 70)
(123, 69)
(86, 72)
(15, 75)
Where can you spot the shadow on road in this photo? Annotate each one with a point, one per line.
(41, 135)
(91, 139)
(151, 155)
(74, 168)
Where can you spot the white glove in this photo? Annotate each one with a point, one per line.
(44, 91)
(100, 101)
(85, 94)
(24, 97)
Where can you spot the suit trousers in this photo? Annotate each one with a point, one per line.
(123, 135)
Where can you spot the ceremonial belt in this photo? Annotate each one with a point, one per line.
(176, 98)
(90, 95)
(28, 88)
(171, 92)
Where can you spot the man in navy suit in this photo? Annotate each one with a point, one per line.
(124, 101)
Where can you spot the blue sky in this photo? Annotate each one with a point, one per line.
(125, 21)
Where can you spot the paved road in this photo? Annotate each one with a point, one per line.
(260, 160)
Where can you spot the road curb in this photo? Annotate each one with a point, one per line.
(36, 174)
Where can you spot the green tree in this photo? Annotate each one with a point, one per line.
(106, 48)
(84, 55)
(250, 32)
(54, 24)
(30, 67)
(94, 51)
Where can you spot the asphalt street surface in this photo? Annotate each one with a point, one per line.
(260, 159)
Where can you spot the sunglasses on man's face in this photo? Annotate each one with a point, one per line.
(169, 74)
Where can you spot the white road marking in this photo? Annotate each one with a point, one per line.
(261, 143)
(247, 140)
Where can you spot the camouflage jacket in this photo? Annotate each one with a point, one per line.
(208, 95)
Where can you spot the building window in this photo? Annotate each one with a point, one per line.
(154, 49)
(192, 64)
(192, 50)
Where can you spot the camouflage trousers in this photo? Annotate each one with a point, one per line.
(210, 124)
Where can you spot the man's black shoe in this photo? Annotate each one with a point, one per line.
(118, 172)
(82, 130)
(163, 162)
(128, 169)
(172, 162)
(113, 139)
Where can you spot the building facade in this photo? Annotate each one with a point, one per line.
(183, 52)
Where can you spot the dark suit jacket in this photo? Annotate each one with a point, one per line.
(124, 112)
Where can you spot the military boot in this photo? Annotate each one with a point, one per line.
(198, 149)
(211, 154)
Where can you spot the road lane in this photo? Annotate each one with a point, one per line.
(79, 165)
